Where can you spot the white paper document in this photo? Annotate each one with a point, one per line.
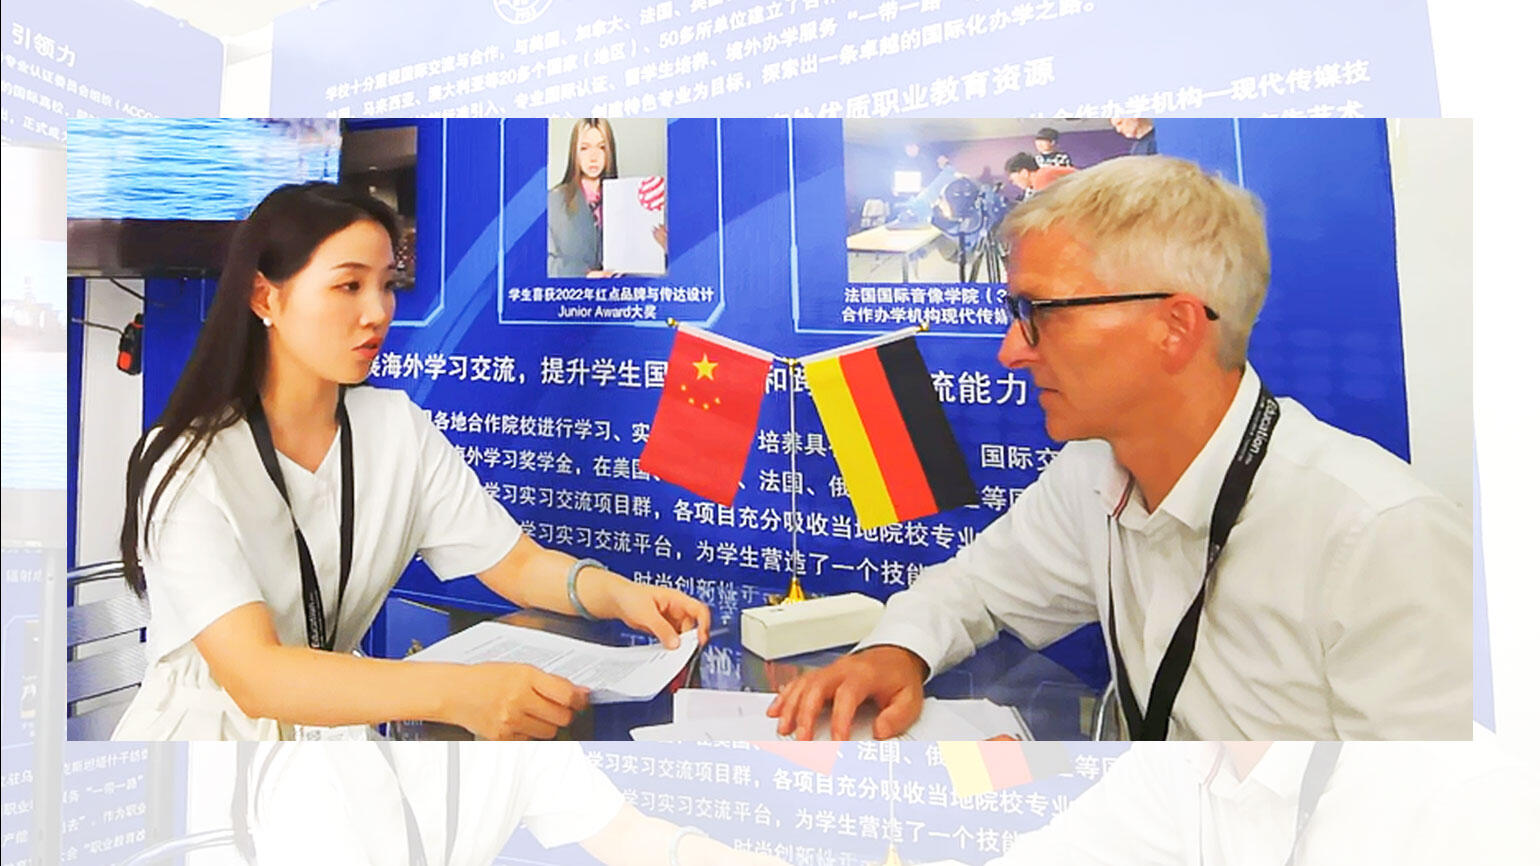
(613, 674)
(701, 714)
(633, 208)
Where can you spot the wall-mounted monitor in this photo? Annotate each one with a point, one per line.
(206, 169)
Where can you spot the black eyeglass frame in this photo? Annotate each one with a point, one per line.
(1024, 309)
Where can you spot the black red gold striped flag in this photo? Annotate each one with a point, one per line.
(980, 767)
(890, 436)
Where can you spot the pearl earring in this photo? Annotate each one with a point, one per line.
(266, 322)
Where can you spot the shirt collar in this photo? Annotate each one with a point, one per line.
(1282, 768)
(1192, 499)
(1279, 771)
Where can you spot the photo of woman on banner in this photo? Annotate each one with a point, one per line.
(276, 500)
(589, 235)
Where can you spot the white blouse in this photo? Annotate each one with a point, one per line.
(221, 537)
(345, 803)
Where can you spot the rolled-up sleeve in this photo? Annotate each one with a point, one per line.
(1026, 572)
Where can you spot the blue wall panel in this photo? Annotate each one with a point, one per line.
(547, 413)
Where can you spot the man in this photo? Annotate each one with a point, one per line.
(1298, 804)
(1339, 607)
(1048, 153)
(1019, 170)
(1141, 130)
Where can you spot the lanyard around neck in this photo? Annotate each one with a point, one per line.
(1319, 768)
(1155, 720)
(315, 612)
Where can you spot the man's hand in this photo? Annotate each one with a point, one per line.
(891, 677)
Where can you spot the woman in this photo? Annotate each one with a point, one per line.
(575, 206)
(427, 804)
(273, 506)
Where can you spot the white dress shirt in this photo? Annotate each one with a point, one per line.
(221, 537)
(1339, 609)
(1398, 804)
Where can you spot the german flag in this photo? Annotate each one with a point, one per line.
(994, 765)
(890, 438)
(979, 767)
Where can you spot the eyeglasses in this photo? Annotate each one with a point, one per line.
(1024, 310)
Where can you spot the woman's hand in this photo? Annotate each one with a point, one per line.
(663, 612)
(532, 576)
(660, 234)
(504, 701)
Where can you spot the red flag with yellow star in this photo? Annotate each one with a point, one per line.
(708, 414)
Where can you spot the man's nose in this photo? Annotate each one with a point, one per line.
(1014, 352)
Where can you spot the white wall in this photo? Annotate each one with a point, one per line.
(1430, 171)
(247, 87)
(1475, 46)
(245, 92)
(111, 419)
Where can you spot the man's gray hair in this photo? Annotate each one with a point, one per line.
(1156, 223)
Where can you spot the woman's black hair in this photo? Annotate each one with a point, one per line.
(224, 375)
(572, 177)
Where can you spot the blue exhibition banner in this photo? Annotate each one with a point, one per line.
(855, 58)
(552, 409)
(105, 807)
(87, 58)
(865, 799)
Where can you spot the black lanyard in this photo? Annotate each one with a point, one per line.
(315, 613)
(1154, 721)
(1318, 772)
(417, 853)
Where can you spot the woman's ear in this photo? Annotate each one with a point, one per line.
(262, 298)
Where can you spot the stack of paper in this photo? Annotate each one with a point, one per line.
(701, 715)
(612, 674)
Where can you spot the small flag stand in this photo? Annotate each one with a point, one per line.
(795, 591)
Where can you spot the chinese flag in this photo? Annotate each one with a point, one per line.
(708, 414)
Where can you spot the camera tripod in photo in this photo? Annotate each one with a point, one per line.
(969, 213)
